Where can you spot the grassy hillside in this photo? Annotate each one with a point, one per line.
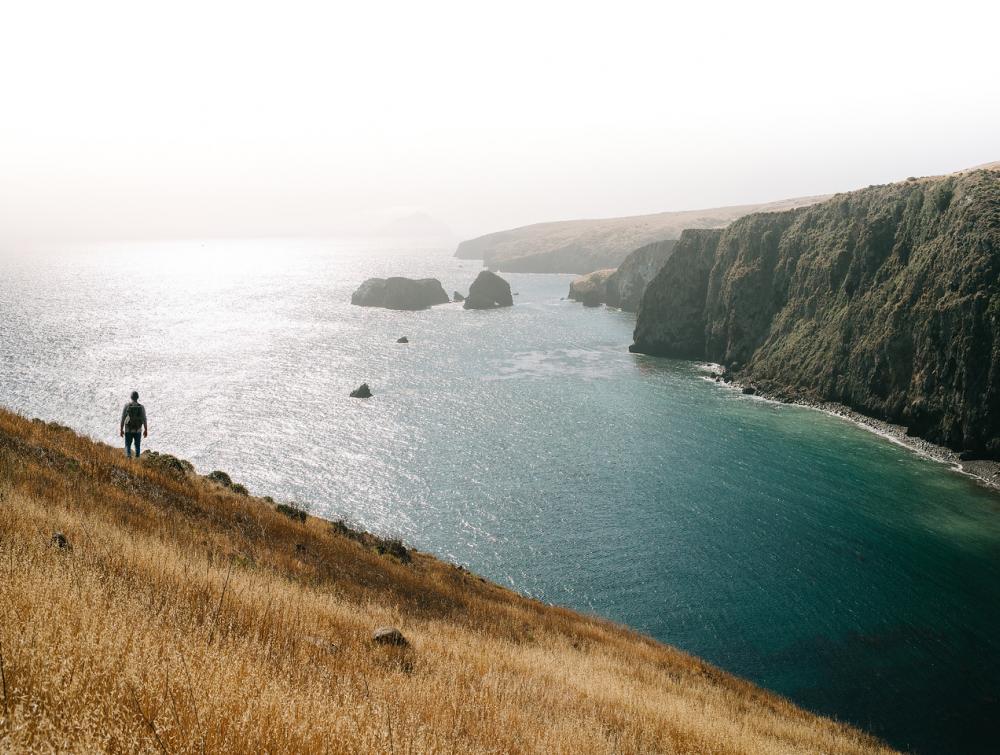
(181, 615)
(582, 246)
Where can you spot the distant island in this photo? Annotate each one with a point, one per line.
(583, 246)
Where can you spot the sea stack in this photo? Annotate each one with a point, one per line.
(400, 293)
(488, 291)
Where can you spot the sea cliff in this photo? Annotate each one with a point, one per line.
(885, 300)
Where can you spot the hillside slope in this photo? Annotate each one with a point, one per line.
(181, 615)
(885, 299)
(582, 246)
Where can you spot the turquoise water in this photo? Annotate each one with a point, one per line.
(784, 545)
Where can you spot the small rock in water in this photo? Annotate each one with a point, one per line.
(59, 540)
(488, 291)
(362, 391)
(402, 339)
(389, 636)
(458, 297)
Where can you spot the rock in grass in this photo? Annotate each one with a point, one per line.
(240, 489)
(59, 541)
(393, 547)
(167, 463)
(221, 477)
(292, 512)
(389, 636)
(362, 391)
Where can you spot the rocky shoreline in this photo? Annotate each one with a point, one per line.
(985, 471)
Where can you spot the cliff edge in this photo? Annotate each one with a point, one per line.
(885, 299)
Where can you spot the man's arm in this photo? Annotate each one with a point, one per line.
(145, 427)
(121, 425)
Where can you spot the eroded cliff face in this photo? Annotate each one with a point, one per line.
(624, 289)
(885, 299)
(591, 289)
(671, 320)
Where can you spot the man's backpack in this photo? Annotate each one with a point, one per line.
(133, 421)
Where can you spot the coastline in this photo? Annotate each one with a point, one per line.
(984, 471)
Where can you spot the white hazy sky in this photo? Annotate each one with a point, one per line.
(142, 120)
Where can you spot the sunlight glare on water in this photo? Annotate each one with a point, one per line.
(785, 545)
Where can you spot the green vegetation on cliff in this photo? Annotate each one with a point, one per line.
(885, 299)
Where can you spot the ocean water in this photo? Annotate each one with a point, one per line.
(784, 545)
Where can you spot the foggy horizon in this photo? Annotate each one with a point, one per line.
(249, 122)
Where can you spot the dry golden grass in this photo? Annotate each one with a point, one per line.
(187, 619)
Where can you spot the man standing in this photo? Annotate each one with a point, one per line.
(133, 420)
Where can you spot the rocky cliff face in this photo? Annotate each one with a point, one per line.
(624, 289)
(591, 289)
(885, 299)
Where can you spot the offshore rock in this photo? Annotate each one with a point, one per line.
(488, 291)
(885, 299)
(400, 293)
(591, 289)
(362, 391)
(457, 297)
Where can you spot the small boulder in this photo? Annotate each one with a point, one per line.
(291, 511)
(749, 390)
(221, 477)
(362, 391)
(489, 291)
(389, 636)
(402, 339)
(60, 541)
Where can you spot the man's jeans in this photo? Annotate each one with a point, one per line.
(131, 438)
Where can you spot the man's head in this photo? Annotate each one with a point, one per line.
(135, 395)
